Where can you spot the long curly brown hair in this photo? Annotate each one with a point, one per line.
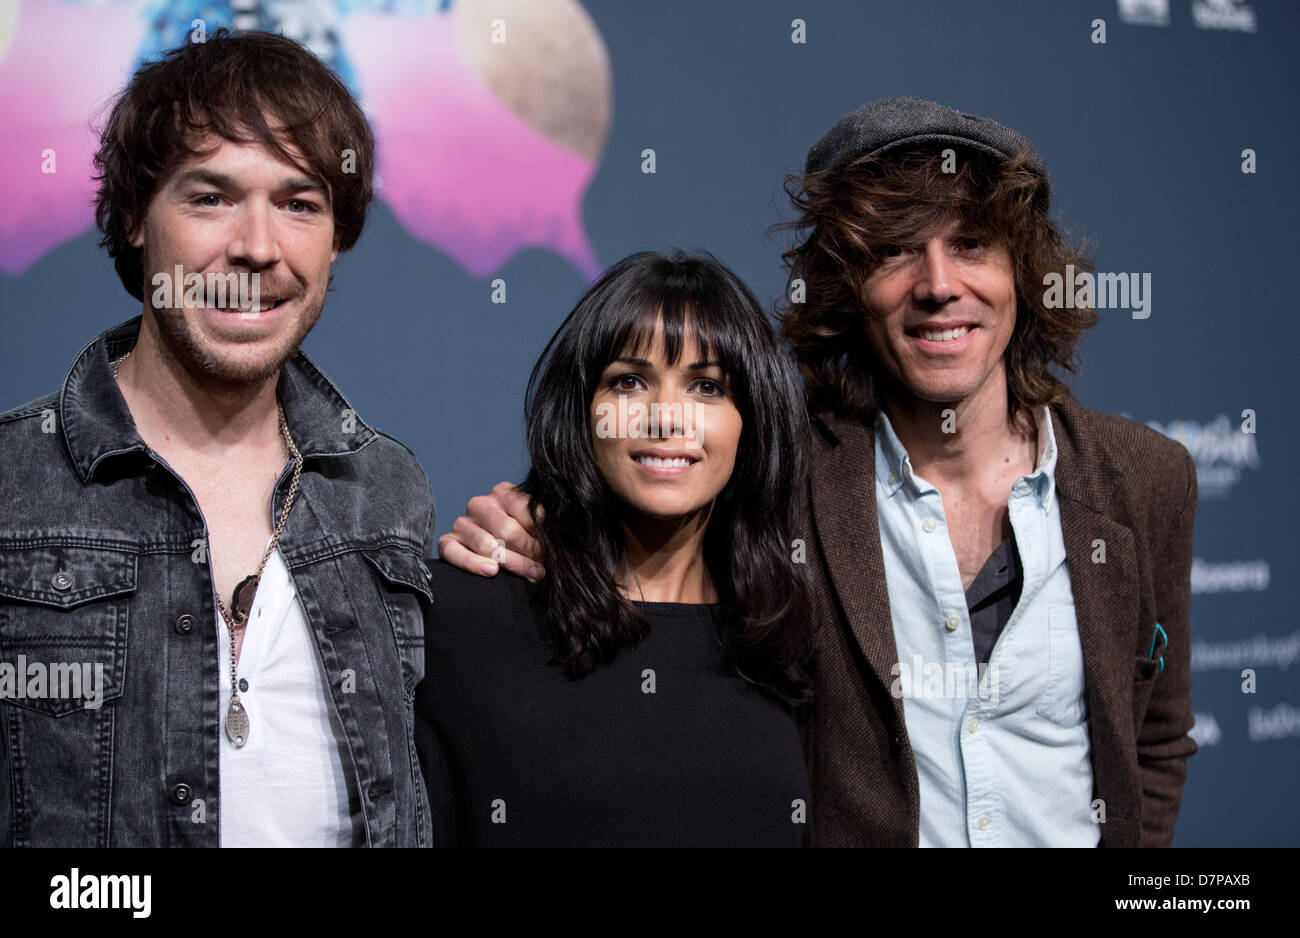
(850, 213)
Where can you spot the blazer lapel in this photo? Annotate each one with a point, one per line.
(1105, 597)
(847, 529)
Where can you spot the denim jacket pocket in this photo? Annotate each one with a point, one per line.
(63, 654)
(403, 580)
(63, 626)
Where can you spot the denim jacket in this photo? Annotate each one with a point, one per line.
(103, 576)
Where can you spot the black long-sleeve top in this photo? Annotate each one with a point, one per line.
(515, 753)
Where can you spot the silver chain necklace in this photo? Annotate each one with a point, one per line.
(237, 723)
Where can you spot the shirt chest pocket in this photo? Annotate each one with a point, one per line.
(63, 626)
(1064, 699)
(403, 582)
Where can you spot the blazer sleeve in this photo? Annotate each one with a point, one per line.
(1163, 746)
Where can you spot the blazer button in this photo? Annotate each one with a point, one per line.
(181, 793)
(185, 624)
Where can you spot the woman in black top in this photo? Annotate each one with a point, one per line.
(642, 693)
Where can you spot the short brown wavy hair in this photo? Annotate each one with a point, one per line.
(849, 213)
(245, 87)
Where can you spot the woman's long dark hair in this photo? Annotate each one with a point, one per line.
(747, 546)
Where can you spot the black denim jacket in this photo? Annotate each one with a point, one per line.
(103, 572)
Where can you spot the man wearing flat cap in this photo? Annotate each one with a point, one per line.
(971, 517)
(1001, 576)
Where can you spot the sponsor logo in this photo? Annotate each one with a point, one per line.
(1144, 12)
(1279, 722)
(1220, 449)
(1205, 731)
(1243, 576)
(1258, 652)
(1224, 14)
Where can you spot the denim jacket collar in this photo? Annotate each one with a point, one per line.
(97, 424)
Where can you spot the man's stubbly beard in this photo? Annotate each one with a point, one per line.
(186, 346)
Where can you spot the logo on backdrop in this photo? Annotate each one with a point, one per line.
(1262, 651)
(1278, 722)
(1224, 14)
(1144, 12)
(516, 136)
(1205, 730)
(1233, 577)
(1220, 448)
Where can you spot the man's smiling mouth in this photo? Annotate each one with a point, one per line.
(943, 335)
(941, 332)
(264, 305)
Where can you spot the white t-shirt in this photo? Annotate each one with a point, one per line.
(291, 784)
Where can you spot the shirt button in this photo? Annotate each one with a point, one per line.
(893, 478)
(929, 524)
(181, 793)
(243, 685)
(973, 725)
(185, 624)
(1047, 501)
(984, 823)
(62, 580)
(952, 623)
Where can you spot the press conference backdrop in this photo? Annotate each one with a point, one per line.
(509, 180)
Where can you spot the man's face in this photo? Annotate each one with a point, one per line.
(940, 316)
(240, 209)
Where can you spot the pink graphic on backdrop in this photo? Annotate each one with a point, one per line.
(483, 151)
(63, 63)
(459, 169)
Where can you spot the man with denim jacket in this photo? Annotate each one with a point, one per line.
(212, 585)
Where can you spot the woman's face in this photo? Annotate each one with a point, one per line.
(665, 437)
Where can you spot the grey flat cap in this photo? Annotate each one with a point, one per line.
(894, 122)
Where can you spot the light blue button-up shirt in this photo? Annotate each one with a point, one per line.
(1002, 752)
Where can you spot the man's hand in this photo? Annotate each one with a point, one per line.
(495, 531)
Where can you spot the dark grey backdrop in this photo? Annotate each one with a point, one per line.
(1143, 137)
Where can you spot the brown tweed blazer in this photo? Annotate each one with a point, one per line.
(1117, 481)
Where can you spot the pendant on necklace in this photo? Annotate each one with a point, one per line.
(237, 724)
(241, 600)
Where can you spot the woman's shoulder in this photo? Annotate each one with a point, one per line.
(453, 584)
(461, 598)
